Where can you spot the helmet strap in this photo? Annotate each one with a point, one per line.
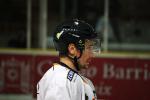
(75, 60)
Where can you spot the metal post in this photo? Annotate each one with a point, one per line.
(43, 24)
(29, 9)
(106, 21)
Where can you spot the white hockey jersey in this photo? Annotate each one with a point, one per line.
(62, 83)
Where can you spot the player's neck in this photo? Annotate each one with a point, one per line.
(68, 62)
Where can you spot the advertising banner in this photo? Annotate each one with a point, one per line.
(15, 73)
(120, 78)
(114, 78)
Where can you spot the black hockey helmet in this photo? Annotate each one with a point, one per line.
(72, 31)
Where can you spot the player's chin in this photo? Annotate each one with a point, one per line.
(86, 65)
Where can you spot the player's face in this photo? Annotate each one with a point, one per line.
(86, 55)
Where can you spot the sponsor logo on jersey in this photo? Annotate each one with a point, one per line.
(70, 75)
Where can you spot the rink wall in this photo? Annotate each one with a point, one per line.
(116, 76)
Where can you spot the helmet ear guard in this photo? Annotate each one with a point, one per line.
(62, 47)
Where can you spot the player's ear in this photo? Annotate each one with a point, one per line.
(72, 49)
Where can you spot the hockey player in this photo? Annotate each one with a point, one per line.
(75, 42)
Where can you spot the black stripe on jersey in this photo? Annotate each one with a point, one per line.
(38, 88)
(64, 65)
(86, 97)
